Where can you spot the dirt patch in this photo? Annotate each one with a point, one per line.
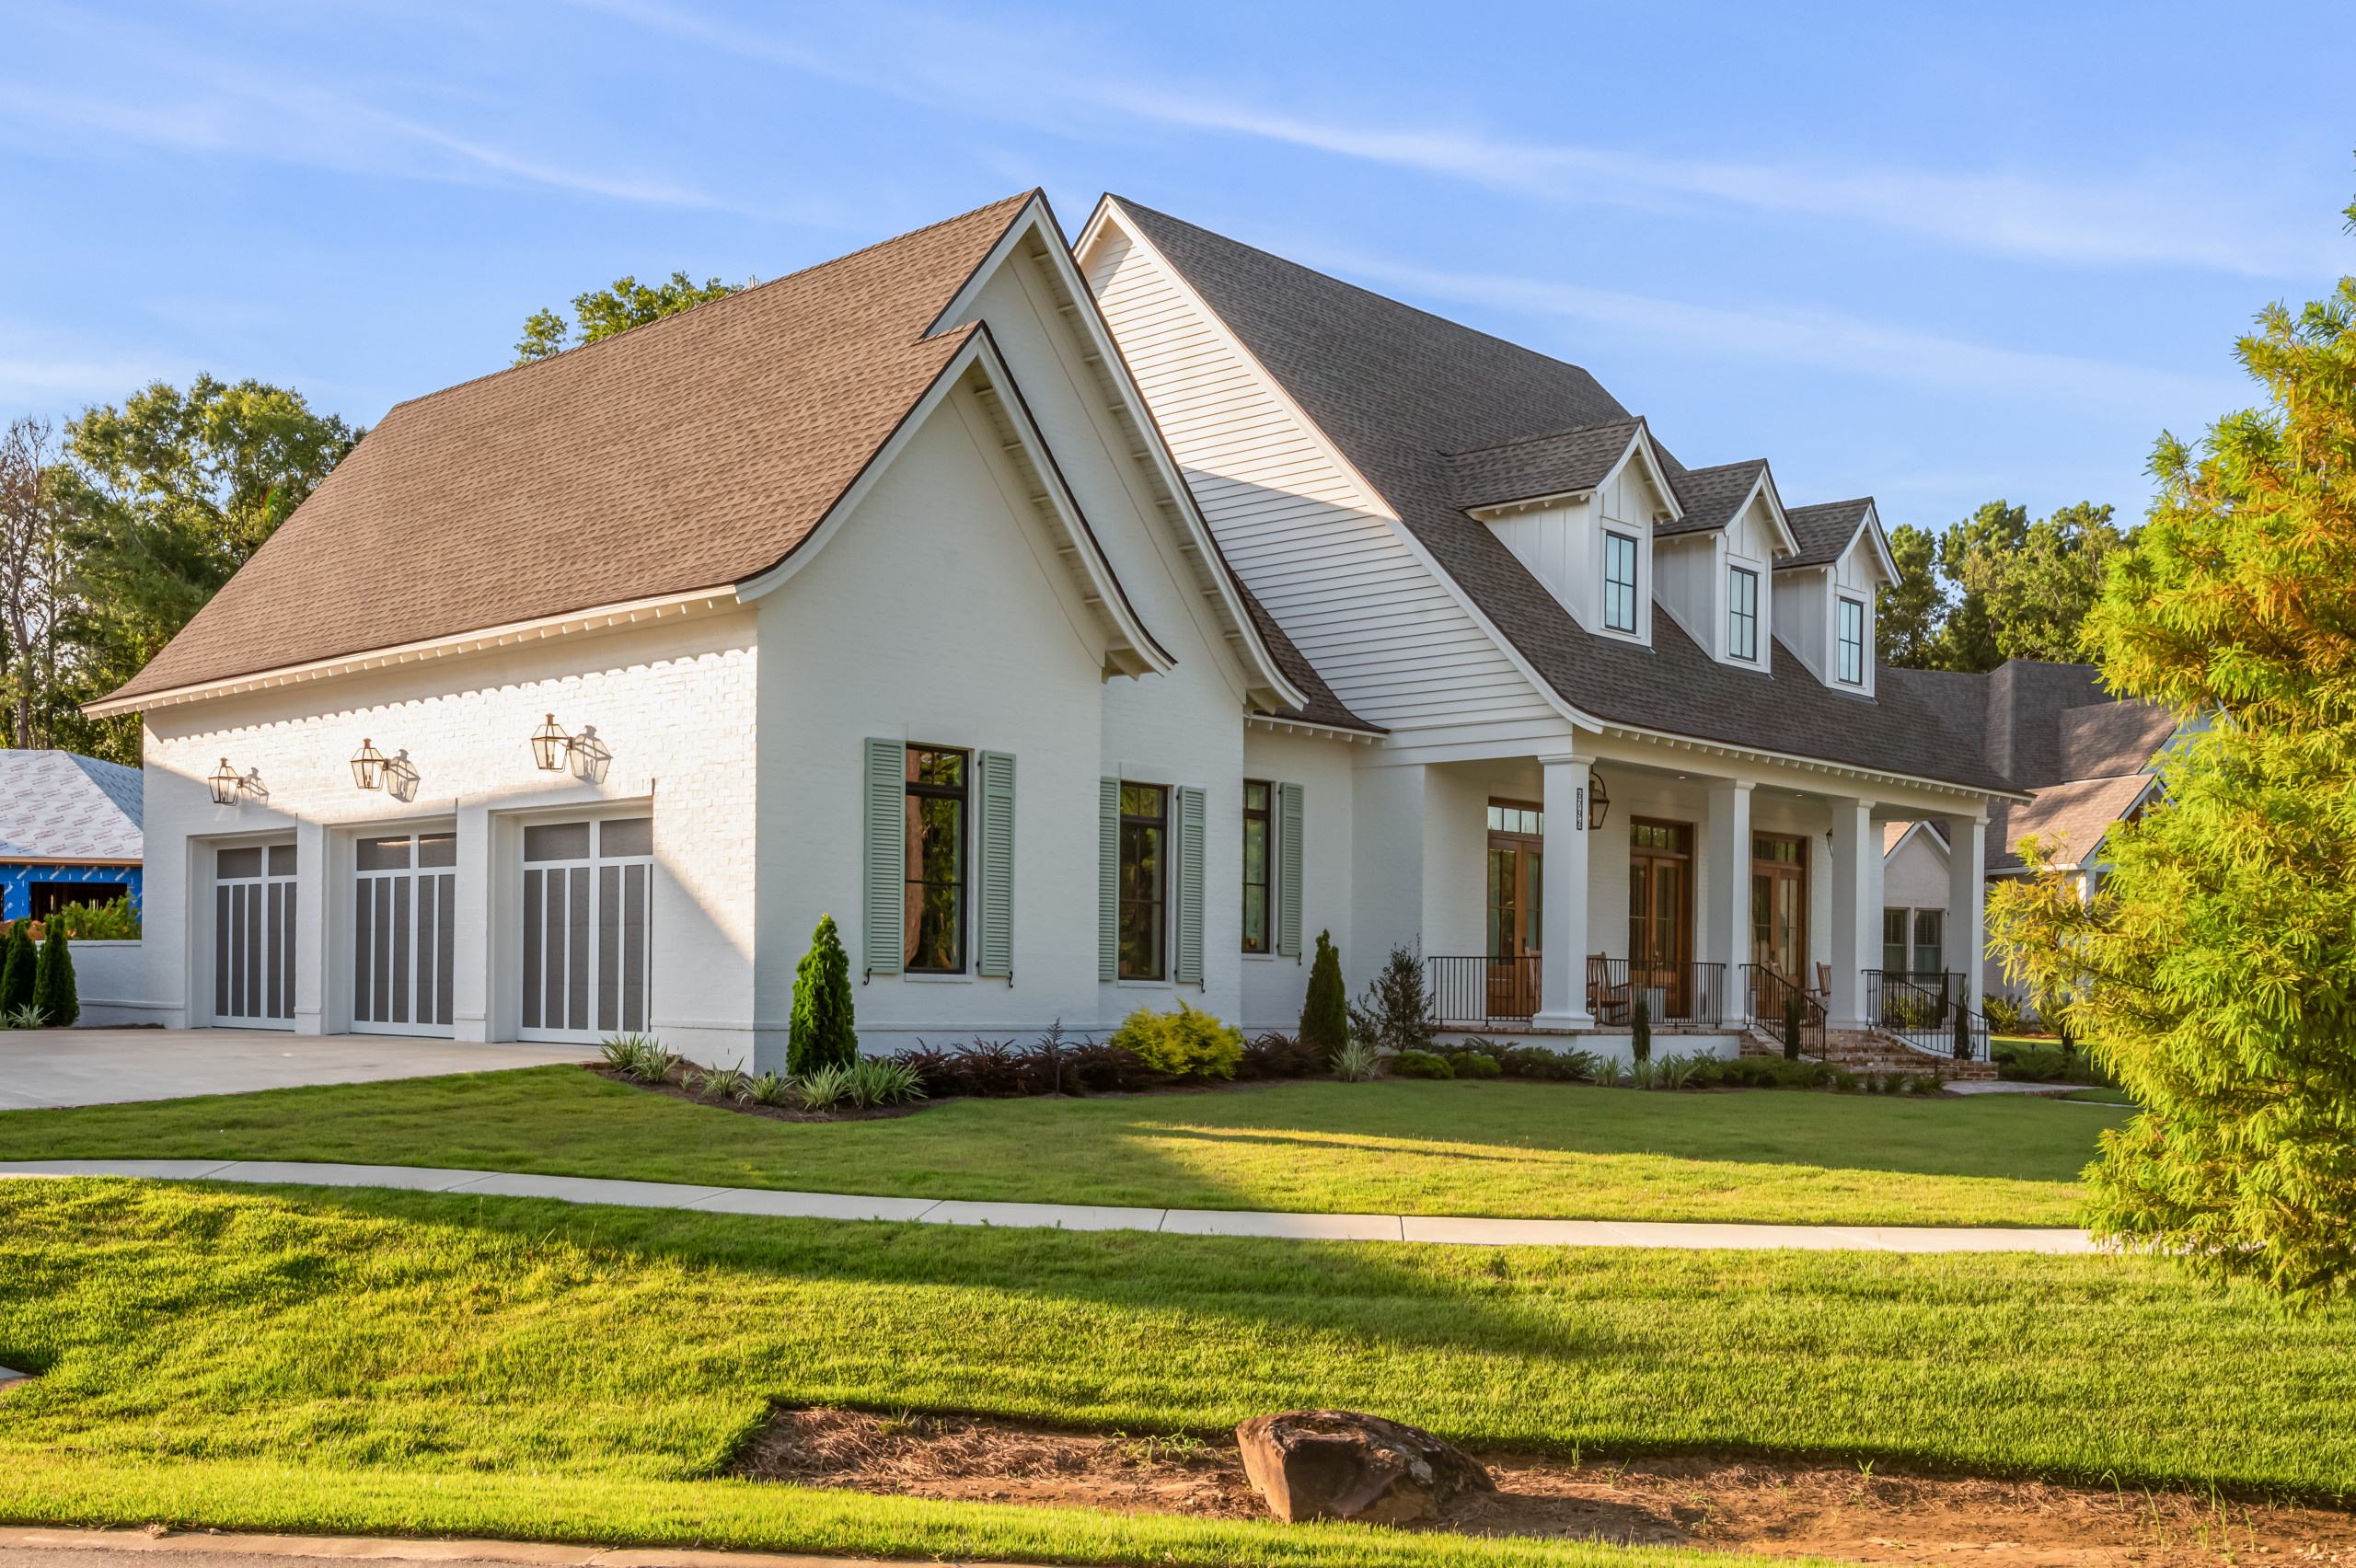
(1748, 1505)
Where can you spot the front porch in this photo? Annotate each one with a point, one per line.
(1563, 893)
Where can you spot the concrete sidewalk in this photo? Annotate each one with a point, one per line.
(1469, 1232)
(108, 1067)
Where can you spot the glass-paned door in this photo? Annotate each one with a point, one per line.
(404, 933)
(1516, 923)
(588, 892)
(1779, 911)
(1660, 914)
(253, 937)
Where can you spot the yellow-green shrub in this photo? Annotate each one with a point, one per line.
(1186, 1041)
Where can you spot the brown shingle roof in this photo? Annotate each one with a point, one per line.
(1824, 530)
(691, 451)
(1709, 496)
(1547, 465)
(2069, 819)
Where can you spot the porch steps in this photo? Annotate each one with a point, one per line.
(1870, 1050)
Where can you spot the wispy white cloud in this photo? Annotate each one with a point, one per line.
(1818, 338)
(1043, 78)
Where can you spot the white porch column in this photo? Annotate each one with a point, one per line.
(1726, 923)
(1856, 909)
(1562, 984)
(1967, 933)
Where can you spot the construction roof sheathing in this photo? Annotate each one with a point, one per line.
(1397, 390)
(688, 453)
(59, 805)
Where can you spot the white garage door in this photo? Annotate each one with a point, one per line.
(403, 933)
(588, 959)
(253, 937)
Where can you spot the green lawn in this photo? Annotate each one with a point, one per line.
(381, 1361)
(1550, 1150)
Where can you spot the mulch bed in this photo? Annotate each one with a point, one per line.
(1860, 1514)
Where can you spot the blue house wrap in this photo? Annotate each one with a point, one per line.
(70, 831)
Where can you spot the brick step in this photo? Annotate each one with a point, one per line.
(1867, 1051)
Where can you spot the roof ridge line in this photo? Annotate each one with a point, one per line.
(1550, 435)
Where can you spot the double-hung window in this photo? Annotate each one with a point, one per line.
(1144, 880)
(1852, 641)
(1619, 583)
(1257, 844)
(1742, 613)
(935, 907)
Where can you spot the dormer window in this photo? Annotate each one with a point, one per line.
(1619, 583)
(1852, 641)
(1742, 613)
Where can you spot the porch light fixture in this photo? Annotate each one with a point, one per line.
(550, 745)
(1599, 802)
(368, 765)
(225, 785)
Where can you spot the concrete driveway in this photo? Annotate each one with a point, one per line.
(104, 1067)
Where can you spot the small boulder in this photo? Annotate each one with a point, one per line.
(1338, 1464)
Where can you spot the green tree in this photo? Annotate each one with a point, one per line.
(601, 313)
(165, 497)
(1325, 1016)
(2214, 972)
(822, 1033)
(1972, 556)
(54, 990)
(1911, 615)
(2041, 596)
(17, 967)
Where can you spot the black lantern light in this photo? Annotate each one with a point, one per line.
(368, 765)
(225, 785)
(1599, 800)
(550, 745)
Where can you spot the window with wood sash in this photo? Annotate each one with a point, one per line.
(1619, 583)
(1144, 882)
(1257, 839)
(933, 902)
(1742, 613)
(1853, 642)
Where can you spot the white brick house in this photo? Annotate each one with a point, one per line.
(1081, 627)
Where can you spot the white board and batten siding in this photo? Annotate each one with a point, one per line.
(1320, 551)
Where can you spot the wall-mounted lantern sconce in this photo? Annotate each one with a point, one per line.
(229, 789)
(368, 765)
(1599, 800)
(552, 749)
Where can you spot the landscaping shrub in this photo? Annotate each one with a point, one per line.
(16, 970)
(823, 1088)
(1358, 1062)
(1552, 1066)
(115, 920)
(1421, 1065)
(821, 1032)
(877, 1081)
(1769, 1072)
(2046, 1064)
(1643, 1073)
(1397, 1014)
(1846, 1082)
(1791, 1014)
(1640, 1031)
(1325, 1015)
(992, 1069)
(1928, 1083)
(1104, 1068)
(1282, 1056)
(2002, 1013)
(772, 1087)
(53, 993)
(637, 1056)
(1679, 1072)
(1187, 1042)
(1474, 1065)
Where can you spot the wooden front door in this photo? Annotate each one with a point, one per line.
(1779, 910)
(1516, 863)
(1660, 913)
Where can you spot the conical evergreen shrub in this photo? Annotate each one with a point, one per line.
(822, 1033)
(1325, 1016)
(1640, 1032)
(18, 962)
(1792, 1013)
(53, 991)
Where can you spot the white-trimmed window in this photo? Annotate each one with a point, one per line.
(1853, 642)
(1619, 583)
(1742, 613)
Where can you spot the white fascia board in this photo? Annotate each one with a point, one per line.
(1261, 672)
(603, 617)
(1302, 726)
(1097, 580)
(1367, 498)
(1766, 488)
(1642, 442)
(1871, 529)
(1848, 772)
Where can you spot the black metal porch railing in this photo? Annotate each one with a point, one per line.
(1480, 993)
(1768, 1001)
(1676, 994)
(1925, 1013)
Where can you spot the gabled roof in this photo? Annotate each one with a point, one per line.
(2071, 819)
(1825, 531)
(1395, 389)
(1324, 707)
(2107, 738)
(61, 805)
(1565, 463)
(1714, 497)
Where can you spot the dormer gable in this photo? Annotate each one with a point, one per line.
(1579, 508)
(1825, 593)
(1712, 567)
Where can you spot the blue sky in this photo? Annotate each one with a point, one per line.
(1933, 258)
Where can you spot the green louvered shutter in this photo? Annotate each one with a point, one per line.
(1108, 880)
(995, 865)
(1288, 814)
(1190, 885)
(880, 934)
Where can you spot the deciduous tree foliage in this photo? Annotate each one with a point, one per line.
(1995, 586)
(625, 304)
(2215, 971)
